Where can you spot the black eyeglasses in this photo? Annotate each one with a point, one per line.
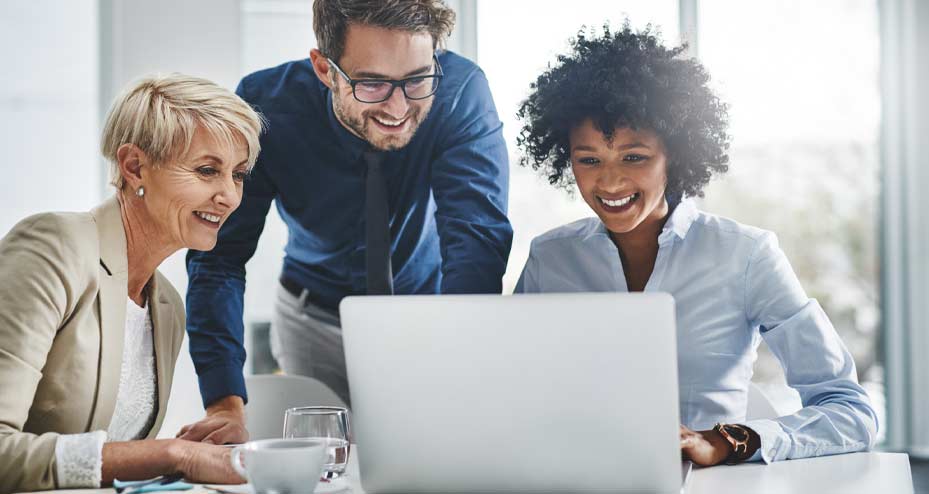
(377, 90)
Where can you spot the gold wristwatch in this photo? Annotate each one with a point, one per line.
(738, 437)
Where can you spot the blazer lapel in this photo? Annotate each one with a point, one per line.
(114, 289)
(163, 327)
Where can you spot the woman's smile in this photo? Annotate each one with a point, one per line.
(621, 205)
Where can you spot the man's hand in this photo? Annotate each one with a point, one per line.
(224, 423)
(705, 448)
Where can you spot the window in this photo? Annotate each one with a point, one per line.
(803, 84)
(513, 49)
(802, 80)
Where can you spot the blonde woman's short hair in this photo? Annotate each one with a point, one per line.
(161, 113)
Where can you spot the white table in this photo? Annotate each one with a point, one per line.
(846, 474)
(865, 473)
(841, 474)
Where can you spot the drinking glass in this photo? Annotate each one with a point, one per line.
(329, 424)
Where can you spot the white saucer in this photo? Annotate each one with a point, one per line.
(334, 485)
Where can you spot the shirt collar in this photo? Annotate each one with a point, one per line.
(681, 218)
(678, 223)
(353, 145)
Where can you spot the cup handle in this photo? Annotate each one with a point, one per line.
(236, 459)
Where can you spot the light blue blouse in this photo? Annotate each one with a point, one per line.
(732, 287)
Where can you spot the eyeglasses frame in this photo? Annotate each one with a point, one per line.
(394, 83)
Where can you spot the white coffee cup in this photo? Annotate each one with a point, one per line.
(281, 466)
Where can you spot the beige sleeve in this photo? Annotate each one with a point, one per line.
(39, 280)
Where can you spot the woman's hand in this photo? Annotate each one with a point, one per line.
(144, 459)
(704, 448)
(204, 463)
(224, 423)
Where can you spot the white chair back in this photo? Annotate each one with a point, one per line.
(270, 395)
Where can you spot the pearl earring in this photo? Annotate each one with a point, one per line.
(140, 192)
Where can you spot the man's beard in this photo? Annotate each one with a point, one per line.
(361, 126)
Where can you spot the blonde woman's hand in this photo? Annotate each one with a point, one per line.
(204, 463)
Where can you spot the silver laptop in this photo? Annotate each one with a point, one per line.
(522, 393)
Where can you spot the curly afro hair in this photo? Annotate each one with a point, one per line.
(627, 79)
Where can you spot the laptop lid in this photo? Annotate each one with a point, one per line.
(523, 393)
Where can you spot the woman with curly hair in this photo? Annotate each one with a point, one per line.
(636, 127)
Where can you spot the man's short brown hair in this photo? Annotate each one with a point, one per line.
(331, 19)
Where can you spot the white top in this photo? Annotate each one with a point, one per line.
(79, 456)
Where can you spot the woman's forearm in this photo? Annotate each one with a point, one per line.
(137, 460)
(197, 462)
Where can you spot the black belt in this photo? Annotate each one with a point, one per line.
(296, 289)
(292, 287)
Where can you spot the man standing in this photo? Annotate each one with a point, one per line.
(388, 165)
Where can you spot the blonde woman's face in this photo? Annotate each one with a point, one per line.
(191, 197)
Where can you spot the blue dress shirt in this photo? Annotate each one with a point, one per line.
(448, 197)
(732, 286)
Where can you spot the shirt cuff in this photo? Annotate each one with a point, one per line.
(774, 441)
(221, 381)
(79, 459)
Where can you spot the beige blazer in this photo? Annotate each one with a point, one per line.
(63, 292)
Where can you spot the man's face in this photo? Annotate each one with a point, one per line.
(378, 53)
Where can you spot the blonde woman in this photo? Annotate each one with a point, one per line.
(89, 329)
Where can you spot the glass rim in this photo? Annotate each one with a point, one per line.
(298, 442)
(315, 410)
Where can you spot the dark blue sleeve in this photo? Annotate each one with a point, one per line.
(216, 290)
(470, 183)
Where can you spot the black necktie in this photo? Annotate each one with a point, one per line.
(377, 228)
